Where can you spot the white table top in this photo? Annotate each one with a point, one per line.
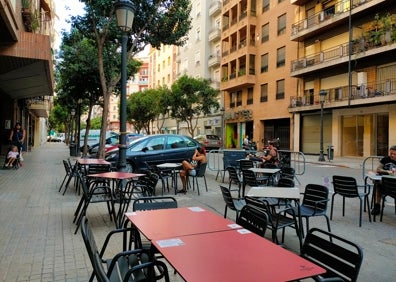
(169, 165)
(275, 192)
(264, 170)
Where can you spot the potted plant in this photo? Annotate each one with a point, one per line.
(27, 15)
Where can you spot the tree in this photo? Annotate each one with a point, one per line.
(191, 99)
(156, 22)
(140, 110)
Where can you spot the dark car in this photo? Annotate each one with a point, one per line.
(209, 141)
(155, 149)
(110, 141)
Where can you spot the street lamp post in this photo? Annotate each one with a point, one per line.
(72, 113)
(322, 97)
(222, 110)
(125, 14)
(79, 102)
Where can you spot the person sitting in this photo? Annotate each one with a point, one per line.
(190, 168)
(268, 156)
(386, 166)
(17, 138)
(12, 156)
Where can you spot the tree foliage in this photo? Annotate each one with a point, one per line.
(191, 99)
(156, 22)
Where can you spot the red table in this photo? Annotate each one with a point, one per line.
(166, 223)
(116, 175)
(83, 161)
(236, 255)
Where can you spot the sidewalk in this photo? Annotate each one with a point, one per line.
(37, 241)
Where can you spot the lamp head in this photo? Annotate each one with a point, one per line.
(322, 95)
(73, 112)
(125, 12)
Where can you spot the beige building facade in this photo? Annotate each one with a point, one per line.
(346, 49)
(255, 71)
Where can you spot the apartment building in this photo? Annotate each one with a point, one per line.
(26, 68)
(200, 58)
(255, 70)
(347, 50)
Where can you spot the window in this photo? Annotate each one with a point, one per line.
(159, 67)
(198, 34)
(266, 5)
(249, 100)
(264, 63)
(169, 61)
(197, 57)
(239, 98)
(265, 33)
(280, 59)
(232, 99)
(280, 89)
(282, 24)
(264, 92)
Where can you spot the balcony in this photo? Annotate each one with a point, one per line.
(237, 80)
(214, 61)
(214, 8)
(214, 34)
(325, 19)
(362, 48)
(364, 94)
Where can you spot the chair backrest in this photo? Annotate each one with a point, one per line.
(314, 193)
(233, 175)
(229, 201)
(245, 164)
(288, 172)
(249, 178)
(68, 169)
(286, 182)
(96, 168)
(154, 203)
(201, 170)
(345, 186)
(151, 183)
(253, 219)
(88, 239)
(388, 186)
(339, 256)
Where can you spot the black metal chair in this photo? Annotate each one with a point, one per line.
(131, 265)
(200, 174)
(231, 202)
(277, 219)
(94, 194)
(70, 174)
(347, 187)
(314, 203)
(154, 203)
(245, 164)
(253, 219)
(250, 179)
(388, 189)
(234, 178)
(340, 257)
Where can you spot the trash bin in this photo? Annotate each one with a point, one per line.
(330, 152)
(73, 150)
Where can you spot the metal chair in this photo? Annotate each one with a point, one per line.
(230, 202)
(250, 179)
(314, 203)
(340, 257)
(70, 173)
(388, 189)
(277, 219)
(131, 265)
(347, 187)
(253, 219)
(234, 178)
(200, 174)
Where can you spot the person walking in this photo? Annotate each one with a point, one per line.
(17, 138)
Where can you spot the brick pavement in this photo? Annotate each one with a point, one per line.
(37, 241)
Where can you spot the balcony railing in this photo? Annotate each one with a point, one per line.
(339, 8)
(340, 94)
(335, 53)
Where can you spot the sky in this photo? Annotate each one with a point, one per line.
(64, 10)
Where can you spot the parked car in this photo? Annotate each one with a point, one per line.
(210, 141)
(129, 138)
(59, 137)
(110, 142)
(155, 149)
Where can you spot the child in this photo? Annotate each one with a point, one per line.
(12, 156)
